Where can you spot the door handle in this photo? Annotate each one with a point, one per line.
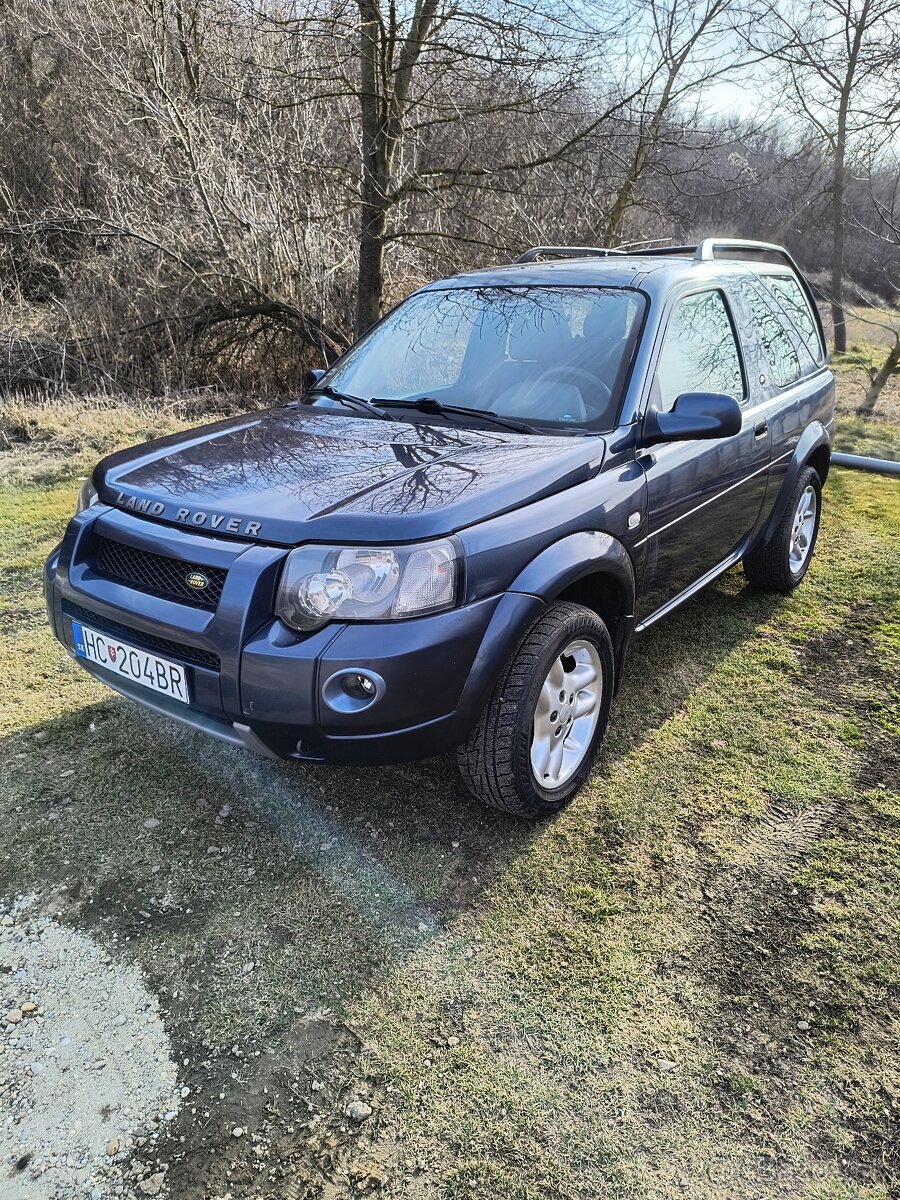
(760, 429)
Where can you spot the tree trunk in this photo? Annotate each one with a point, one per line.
(838, 318)
(860, 25)
(376, 166)
(383, 95)
(370, 275)
(879, 379)
(370, 272)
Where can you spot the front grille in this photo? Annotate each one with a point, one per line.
(190, 654)
(158, 574)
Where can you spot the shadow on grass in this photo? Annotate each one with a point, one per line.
(322, 878)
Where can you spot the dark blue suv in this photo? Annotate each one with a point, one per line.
(449, 541)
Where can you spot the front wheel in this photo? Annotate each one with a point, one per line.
(536, 740)
(781, 563)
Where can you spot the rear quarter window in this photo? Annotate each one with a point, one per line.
(777, 341)
(793, 301)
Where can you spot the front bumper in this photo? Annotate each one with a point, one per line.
(258, 684)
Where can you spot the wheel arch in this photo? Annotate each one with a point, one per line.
(812, 450)
(820, 460)
(592, 569)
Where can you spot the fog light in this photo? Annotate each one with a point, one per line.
(359, 687)
(352, 690)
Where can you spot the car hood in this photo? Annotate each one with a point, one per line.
(294, 474)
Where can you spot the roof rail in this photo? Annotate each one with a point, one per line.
(706, 250)
(662, 251)
(566, 252)
(703, 251)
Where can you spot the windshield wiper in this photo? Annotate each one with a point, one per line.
(371, 407)
(428, 404)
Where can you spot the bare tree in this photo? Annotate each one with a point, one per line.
(454, 96)
(169, 154)
(683, 44)
(202, 191)
(841, 79)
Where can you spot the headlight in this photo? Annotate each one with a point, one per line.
(86, 497)
(366, 583)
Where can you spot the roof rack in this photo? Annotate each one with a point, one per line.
(537, 252)
(662, 251)
(703, 251)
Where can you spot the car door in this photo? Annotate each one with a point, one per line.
(704, 497)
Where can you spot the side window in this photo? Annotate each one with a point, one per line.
(790, 295)
(777, 342)
(699, 351)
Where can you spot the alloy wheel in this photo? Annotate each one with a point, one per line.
(566, 714)
(803, 528)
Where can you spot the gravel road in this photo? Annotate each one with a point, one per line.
(86, 1070)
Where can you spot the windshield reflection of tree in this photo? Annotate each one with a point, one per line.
(468, 346)
(494, 316)
(442, 329)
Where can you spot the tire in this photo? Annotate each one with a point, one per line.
(781, 563)
(515, 731)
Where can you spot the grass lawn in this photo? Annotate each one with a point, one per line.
(687, 985)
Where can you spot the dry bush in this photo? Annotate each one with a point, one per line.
(182, 181)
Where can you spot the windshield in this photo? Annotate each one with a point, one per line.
(544, 355)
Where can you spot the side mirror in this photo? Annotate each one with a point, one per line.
(694, 415)
(311, 378)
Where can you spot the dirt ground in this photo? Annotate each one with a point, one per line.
(687, 985)
(851, 388)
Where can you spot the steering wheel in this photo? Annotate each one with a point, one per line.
(576, 376)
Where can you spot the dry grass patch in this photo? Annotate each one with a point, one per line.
(47, 441)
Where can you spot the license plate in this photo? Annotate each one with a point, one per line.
(129, 662)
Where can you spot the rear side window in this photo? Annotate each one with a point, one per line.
(778, 344)
(699, 351)
(790, 295)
